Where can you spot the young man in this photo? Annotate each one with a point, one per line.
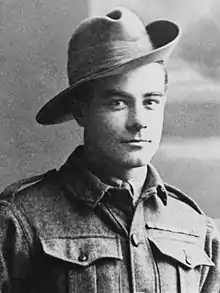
(105, 222)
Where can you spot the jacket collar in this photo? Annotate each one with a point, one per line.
(154, 185)
(89, 188)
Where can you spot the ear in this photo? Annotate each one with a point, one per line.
(79, 111)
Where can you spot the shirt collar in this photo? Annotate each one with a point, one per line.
(91, 189)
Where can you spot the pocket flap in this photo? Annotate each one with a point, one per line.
(189, 255)
(83, 251)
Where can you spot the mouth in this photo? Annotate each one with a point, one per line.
(137, 141)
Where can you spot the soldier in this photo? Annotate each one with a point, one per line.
(105, 221)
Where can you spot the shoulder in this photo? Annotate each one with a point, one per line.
(188, 209)
(182, 198)
(40, 201)
(28, 185)
(16, 202)
(181, 211)
(33, 195)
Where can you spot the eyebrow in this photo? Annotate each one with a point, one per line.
(113, 92)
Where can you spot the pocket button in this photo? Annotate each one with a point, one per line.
(83, 257)
(134, 240)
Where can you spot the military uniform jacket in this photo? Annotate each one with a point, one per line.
(57, 235)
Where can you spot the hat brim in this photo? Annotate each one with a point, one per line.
(59, 108)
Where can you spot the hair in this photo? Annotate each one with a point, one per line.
(82, 94)
(166, 79)
(85, 90)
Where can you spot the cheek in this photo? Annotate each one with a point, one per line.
(107, 124)
(157, 119)
(156, 127)
(99, 130)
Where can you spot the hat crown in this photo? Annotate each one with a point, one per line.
(120, 24)
(100, 41)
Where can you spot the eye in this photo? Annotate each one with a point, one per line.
(117, 104)
(152, 103)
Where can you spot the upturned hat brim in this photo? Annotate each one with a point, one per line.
(163, 35)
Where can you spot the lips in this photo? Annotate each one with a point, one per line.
(136, 141)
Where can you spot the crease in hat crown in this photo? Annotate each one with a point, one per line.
(101, 45)
(100, 40)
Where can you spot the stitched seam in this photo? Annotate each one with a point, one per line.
(156, 272)
(80, 237)
(17, 213)
(116, 219)
(173, 231)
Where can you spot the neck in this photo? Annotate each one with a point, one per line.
(112, 173)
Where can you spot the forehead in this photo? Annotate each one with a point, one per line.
(146, 78)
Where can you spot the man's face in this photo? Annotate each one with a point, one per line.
(123, 121)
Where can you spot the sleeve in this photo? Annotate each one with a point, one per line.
(210, 282)
(14, 249)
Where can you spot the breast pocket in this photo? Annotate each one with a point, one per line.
(180, 259)
(93, 263)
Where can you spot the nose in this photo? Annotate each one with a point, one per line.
(137, 118)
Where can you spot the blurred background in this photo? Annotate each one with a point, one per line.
(34, 36)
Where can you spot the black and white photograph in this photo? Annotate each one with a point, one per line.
(109, 146)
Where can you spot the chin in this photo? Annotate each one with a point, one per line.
(142, 158)
(136, 162)
(141, 163)
(133, 159)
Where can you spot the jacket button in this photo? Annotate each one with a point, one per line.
(134, 240)
(83, 257)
